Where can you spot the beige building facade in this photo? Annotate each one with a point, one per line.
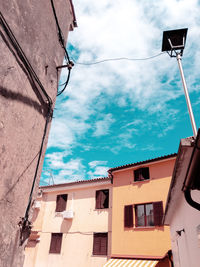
(72, 225)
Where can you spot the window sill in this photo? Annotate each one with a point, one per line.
(58, 213)
(144, 227)
(99, 255)
(140, 228)
(102, 209)
(139, 182)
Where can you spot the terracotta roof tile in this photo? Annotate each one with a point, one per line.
(142, 162)
(77, 182)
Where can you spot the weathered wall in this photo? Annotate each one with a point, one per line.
(185, 247)
(22, 113)
(77, 241)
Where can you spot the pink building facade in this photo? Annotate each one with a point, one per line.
(182, 211)
(72, 225)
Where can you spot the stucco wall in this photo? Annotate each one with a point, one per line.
(146, 241)
(22, 114)
(186, 248)
(77, 241)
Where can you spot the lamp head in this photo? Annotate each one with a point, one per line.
(174, 41)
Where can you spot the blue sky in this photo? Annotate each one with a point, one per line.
(120, 112)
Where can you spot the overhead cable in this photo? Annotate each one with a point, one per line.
(25, 224)
(23, 58)
(117, 59)
(69, 64)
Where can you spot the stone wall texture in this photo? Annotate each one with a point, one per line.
(22, 113)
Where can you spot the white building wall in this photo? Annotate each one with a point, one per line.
(186, 248)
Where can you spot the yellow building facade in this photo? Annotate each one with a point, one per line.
(139, 198)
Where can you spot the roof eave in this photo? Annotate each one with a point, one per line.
(142, 163)
(73, 13)
(178, 176)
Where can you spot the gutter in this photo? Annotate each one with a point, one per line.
(192, 179)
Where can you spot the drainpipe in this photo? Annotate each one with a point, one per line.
(110, 176)
(189, 199)
(192, 177)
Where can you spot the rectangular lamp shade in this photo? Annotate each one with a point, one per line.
(177, 38)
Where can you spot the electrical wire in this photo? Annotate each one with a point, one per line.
(60, 34)
(117, 59)
(37, 166)
(23, 57)
(75, 232)
(66, 83)
(25, 223)
(62, 43)
(102, 61)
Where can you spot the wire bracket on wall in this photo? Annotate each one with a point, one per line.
(69, 65)
(25, 229)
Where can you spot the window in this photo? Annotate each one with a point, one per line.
(128, 216)
(56, 242)
(61, 202)
(100, 243)
(150, 214)
(141, 174)
(102, 199)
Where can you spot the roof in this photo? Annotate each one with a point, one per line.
(77, 182)
(142, 162)
(73, 13)
(109, 171)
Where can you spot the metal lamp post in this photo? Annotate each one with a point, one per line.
(174, 44)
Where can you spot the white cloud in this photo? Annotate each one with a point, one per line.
(102, 126)
(95, 163)
(67, 171)
(100, 171)
(98, 168)
(134, 123)
(133, 29)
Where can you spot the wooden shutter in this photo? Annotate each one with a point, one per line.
(96, 244)
(145, 173)
(100, 244)
(56, 242)
(102, 199)
(104, 241)
(128, 216)
(141, 174)
(106, 201)
(137, 175)
(98, 200)
(61, 202)
(158, 213)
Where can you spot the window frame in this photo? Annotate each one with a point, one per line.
(138, 172)
(157, 214)
(100, 244)
(98, 199)
(56, 243)
(61, 202)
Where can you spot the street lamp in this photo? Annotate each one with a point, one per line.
(174, 43)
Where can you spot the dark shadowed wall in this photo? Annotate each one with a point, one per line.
(23, 110)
